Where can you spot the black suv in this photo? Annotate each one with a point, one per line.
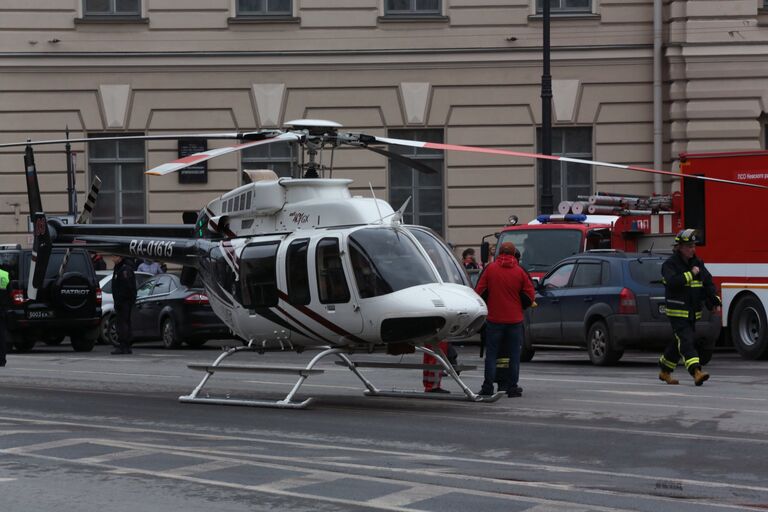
(67, 305)
(607, 301)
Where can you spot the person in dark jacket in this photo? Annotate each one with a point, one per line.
(688, 284)
(124, 294)
(5, 279)
(506, 282)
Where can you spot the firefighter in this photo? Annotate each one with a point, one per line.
(688, 284)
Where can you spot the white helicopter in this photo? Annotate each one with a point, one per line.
(292, 264)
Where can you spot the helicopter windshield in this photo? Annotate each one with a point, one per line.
(447, 266)
(386, 261)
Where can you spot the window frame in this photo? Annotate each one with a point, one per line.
(418, 154)
(118, 162)
(320, 295)
(298, 293)
(562, 167)
(586, 264)
(112, 13)
(538, 8)
(245, 285)
(266, 162)
(264, 13)
(413, 11)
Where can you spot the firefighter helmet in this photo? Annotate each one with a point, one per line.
(686, 236)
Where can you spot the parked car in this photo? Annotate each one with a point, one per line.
(167, 310)
(606, 302)
(66, 305)
(107, 330)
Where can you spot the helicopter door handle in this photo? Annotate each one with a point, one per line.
(355, 307)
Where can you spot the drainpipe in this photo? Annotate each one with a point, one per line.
(658, 114)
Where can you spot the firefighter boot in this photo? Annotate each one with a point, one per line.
(667, 377)
(699, 376)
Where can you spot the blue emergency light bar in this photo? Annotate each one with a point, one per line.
(568, 217)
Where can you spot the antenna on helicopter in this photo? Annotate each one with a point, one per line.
(401, 211)
(376, 202)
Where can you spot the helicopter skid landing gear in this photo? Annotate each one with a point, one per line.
(468, 394)
(306, 371)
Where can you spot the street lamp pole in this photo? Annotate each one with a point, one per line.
(546, 117)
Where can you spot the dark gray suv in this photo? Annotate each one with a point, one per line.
(606, 302)
(67, 304)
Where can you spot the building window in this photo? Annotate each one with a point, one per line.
(412, 7)
(425, 190)
(565, 6)
(112, 8)
(264, 8)
(120, 165)
(281, 157)
(569, 180)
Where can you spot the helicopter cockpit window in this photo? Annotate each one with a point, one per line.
(386, 261)
(331, 283)
(297, 272)
(258, 275)
(447, 266)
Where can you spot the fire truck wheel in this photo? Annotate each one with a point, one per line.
(602, 351)
(749, 328)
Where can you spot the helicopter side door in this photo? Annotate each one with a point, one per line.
(332, 298)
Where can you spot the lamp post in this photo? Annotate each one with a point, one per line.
(546, 117)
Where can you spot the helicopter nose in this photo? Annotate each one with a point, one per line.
(467, 311)
(435, 312)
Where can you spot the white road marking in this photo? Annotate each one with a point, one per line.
(91, 372)
(111, 457)
(668, 406)
(685, 395)
(406, 497)
(203, 468)
(7, 480)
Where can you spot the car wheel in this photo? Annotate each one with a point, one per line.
(54, 341)
(81, 344)
(169, 333)
(108, 330)
(527, 352)
(749, 328)
(24, 345)
(196, 343)
(600, 346)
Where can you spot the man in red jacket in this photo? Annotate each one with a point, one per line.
(507, 286)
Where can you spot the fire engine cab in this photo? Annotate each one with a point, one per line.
(730, 221)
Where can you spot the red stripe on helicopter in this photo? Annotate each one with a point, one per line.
(298, 322)
(319, 319)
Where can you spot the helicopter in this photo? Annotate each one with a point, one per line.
(298, 263)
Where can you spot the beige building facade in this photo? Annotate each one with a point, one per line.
(454, 71)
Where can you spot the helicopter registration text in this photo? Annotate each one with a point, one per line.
(156, 248)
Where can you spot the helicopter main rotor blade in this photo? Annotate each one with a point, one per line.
(181, 163)
(539, 156)
(410, 162)
(165, 136)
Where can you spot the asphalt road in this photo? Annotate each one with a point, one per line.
(95, 432)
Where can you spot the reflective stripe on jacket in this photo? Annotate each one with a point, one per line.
(685, 292)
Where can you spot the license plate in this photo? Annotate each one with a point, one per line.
(663, 309)
(39, 314)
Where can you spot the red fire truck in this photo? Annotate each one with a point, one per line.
(729, 219)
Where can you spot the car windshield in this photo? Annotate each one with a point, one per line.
(385, 261)
(540, 249)
(646, 271)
